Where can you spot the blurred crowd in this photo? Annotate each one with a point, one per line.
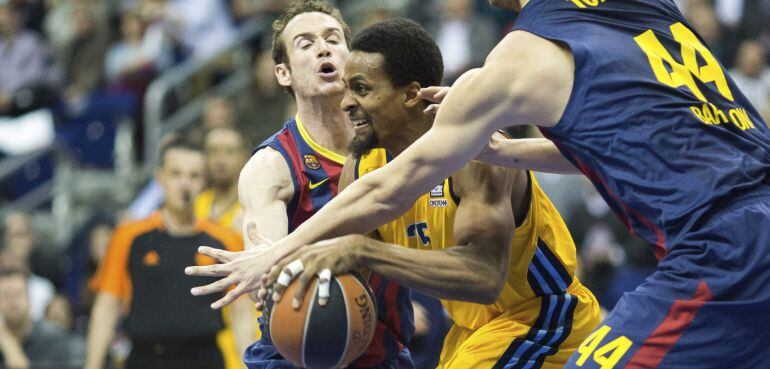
(64, 56)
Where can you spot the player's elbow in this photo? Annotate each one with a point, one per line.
(489, 288)
(484, 284)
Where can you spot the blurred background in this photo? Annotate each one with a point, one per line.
(89, 88)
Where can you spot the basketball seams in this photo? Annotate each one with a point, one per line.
(307, 320)
(366, 290)
(347, 316)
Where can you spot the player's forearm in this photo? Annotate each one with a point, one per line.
(101, 329)
(454, 274)
(461, 130)
(362, 207)
(537, 154)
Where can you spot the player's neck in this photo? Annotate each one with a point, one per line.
(325, 122)
(224, 195)
(178, 222)
(413, 129)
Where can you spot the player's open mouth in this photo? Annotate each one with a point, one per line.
(360, 123)
(328, 71)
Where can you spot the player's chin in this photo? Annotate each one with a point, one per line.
(331, 88)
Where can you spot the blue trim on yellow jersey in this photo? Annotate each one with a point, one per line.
(546, 274)
(455, 198)
(552, 327)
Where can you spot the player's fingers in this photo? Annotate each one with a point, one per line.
(324, 284)
(231, 296)
(261, 294)
(441, 93)
(303, 282)
(287, 275)
(214, 270)
(217, 286)
(222, 256)
(430, 93)
(432, 109)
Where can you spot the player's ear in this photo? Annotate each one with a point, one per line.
(283, 74)
(410, 95)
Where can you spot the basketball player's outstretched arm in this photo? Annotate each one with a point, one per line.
(536, 154)
(525, 80)
(473, 271)
(265, 188)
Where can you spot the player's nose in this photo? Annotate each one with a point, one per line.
(348, 102)
(323, 49)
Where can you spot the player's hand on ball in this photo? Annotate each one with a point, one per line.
(325, 259)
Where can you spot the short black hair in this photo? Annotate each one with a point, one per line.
(409, 52)
(177, 140)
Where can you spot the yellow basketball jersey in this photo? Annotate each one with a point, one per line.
(543, 257)
(225, 337)
(205, 201)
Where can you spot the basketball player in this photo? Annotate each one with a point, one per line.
(635, 100)
(226, 152)
(296, 171)
(500, 287)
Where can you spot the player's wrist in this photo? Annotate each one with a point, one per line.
(361, 246)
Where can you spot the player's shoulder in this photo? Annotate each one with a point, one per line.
(266, 162)
(131, 229)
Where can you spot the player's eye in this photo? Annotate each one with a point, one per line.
(304, 45)
(360, 89)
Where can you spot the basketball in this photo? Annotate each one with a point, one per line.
(321, 337)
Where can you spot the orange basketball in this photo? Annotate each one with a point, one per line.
(322, 337)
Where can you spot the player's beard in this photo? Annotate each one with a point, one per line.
(360, 145)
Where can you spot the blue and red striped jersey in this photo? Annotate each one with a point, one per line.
(316, 174)
(654, 120)
(315, 170)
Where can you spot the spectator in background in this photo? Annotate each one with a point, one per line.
(135, 57)
(243, 10)
(32, 13)
(202, 27)
(25, 343)
(226, 152)
(59, 313)
(464, 37)
(265, 104)
(27, 75)
(752, 75)
(704, 20)
(612, 260)
(218, 112)
(142, 269)
(19, 241)
(81, 61)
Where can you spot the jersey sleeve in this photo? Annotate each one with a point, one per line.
(113, 276)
